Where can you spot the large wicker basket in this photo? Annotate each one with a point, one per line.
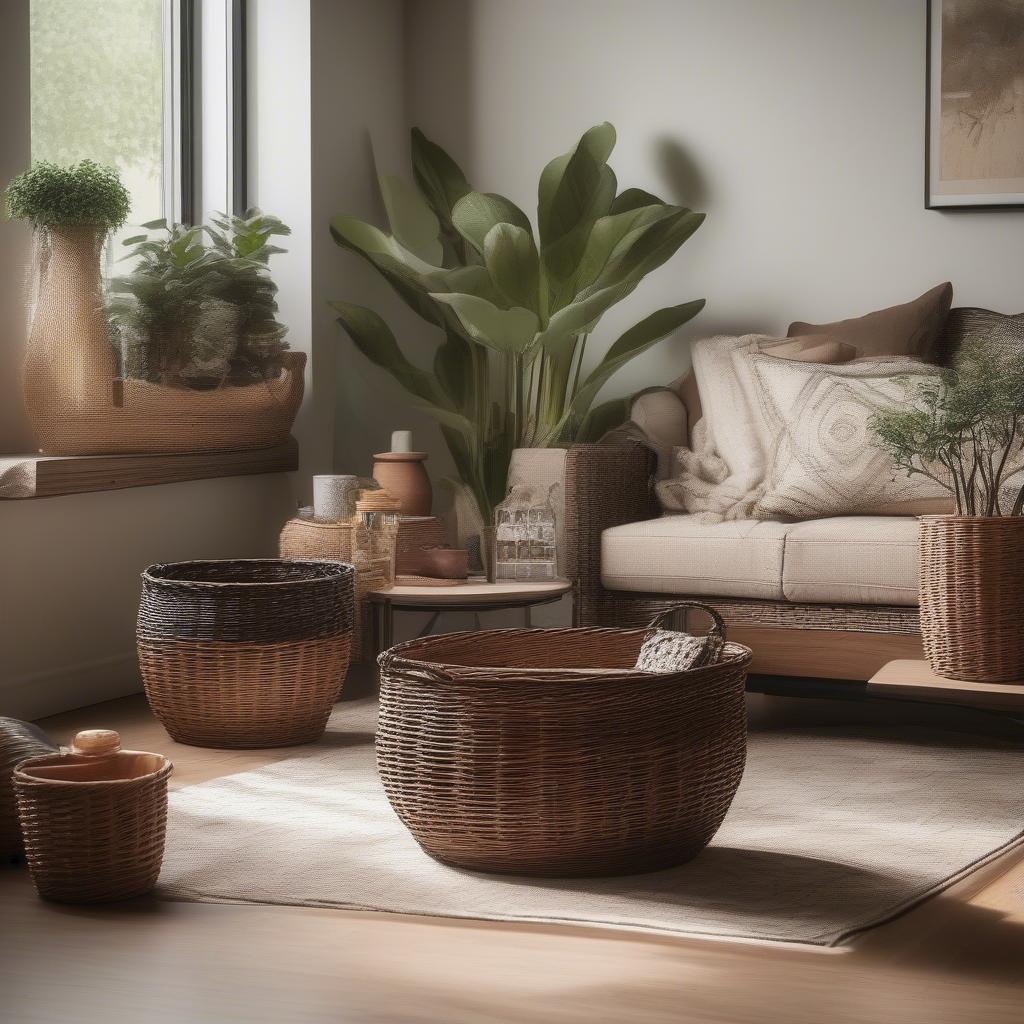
(248, 653)
(18, 741)
(93, 819)
(545, 752)
(972, 597)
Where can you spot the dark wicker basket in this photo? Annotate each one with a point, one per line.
(94, 826)
(972, 597)
(245, 653)
(18, 741)
(545, 752)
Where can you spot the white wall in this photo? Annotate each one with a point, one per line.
(798, 125)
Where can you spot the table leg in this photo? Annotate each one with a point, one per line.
(527, 617)
(425, 631)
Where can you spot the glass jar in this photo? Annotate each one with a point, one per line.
(375, 538)
(525, 535)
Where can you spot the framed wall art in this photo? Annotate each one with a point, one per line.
(975, 104)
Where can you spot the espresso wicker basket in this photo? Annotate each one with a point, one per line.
(545, 752)
(248, 653)
(972, 597)
(93, 819)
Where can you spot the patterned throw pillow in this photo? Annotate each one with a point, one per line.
(666, 650)
(824, 461)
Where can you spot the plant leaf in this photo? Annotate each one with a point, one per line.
(602, 418)
(413, 224)
(633, 199)
(505, 330)
(477, 212)
(366, 239)
(574, 187)
(510, 256)
(453, 367)
(374, 339)
(438, 176)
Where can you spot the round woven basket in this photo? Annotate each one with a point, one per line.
(93, 828)
(972, 597)
(248, 653)
(545, 752)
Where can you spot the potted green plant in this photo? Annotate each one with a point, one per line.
(514, 308)
(68, 359)
(964, 429)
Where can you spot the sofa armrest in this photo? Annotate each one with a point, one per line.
(605, 485)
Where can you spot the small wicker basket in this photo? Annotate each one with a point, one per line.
(93, 819)
(247, 653)
(546, 752)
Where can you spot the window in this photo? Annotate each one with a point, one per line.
(155, 88)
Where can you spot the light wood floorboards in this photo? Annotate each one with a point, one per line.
(958, 959)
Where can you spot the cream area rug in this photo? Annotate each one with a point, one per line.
(832, 831)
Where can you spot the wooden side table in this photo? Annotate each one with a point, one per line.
(476, 595)
(913, 680)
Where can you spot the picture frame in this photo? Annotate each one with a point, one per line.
(974, 105)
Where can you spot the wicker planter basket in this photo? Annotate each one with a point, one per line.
(93, 820)
(245, 653)
(972, 597)
(76, 403)
(545, 752)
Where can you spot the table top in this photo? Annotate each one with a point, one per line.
(475, 591)
(912, 680)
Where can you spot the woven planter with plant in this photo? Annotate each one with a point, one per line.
(965, 430)
(182, 354)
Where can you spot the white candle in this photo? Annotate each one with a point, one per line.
(401, 441)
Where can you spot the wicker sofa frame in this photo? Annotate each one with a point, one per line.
(609, 485)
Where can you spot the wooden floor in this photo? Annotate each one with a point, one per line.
(958, 959)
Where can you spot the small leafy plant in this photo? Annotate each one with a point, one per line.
(964, 429)
(85, 193)
(193, 314)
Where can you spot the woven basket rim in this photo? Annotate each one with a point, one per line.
(392, 660)
(19, 773)
(336, 570)
(952, 517)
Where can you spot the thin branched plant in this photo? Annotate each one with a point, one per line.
(964, 429)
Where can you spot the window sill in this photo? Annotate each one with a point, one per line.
(46, 476)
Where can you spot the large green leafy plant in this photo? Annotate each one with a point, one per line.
(514, 308)
(964, 429)
(193, 314)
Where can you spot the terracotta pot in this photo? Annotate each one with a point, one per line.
(972, 597)
(440, 563)
(403, 475)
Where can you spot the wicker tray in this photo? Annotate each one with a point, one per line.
(545, 752)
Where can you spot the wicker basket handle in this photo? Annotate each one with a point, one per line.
(717, 622)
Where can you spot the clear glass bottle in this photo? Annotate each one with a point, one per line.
(375, 537)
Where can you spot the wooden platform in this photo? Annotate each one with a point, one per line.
(914, 680)
(45, 476)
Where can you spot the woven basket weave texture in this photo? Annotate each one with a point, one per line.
(93, 841)
(972, 597)
(545, 752)
(18, 741)
(245, 653)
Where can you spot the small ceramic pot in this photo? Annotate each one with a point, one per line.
(403, 476)
(334, 496)
(441, 563)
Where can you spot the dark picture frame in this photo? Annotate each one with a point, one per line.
(972, 128)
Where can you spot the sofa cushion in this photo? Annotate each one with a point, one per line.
(912, 329)
(852, 560)
(683, 555)
(846, 560)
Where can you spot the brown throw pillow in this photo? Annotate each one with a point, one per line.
(912, 329)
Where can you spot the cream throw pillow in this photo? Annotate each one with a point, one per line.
(721, 473)
(824, 462)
